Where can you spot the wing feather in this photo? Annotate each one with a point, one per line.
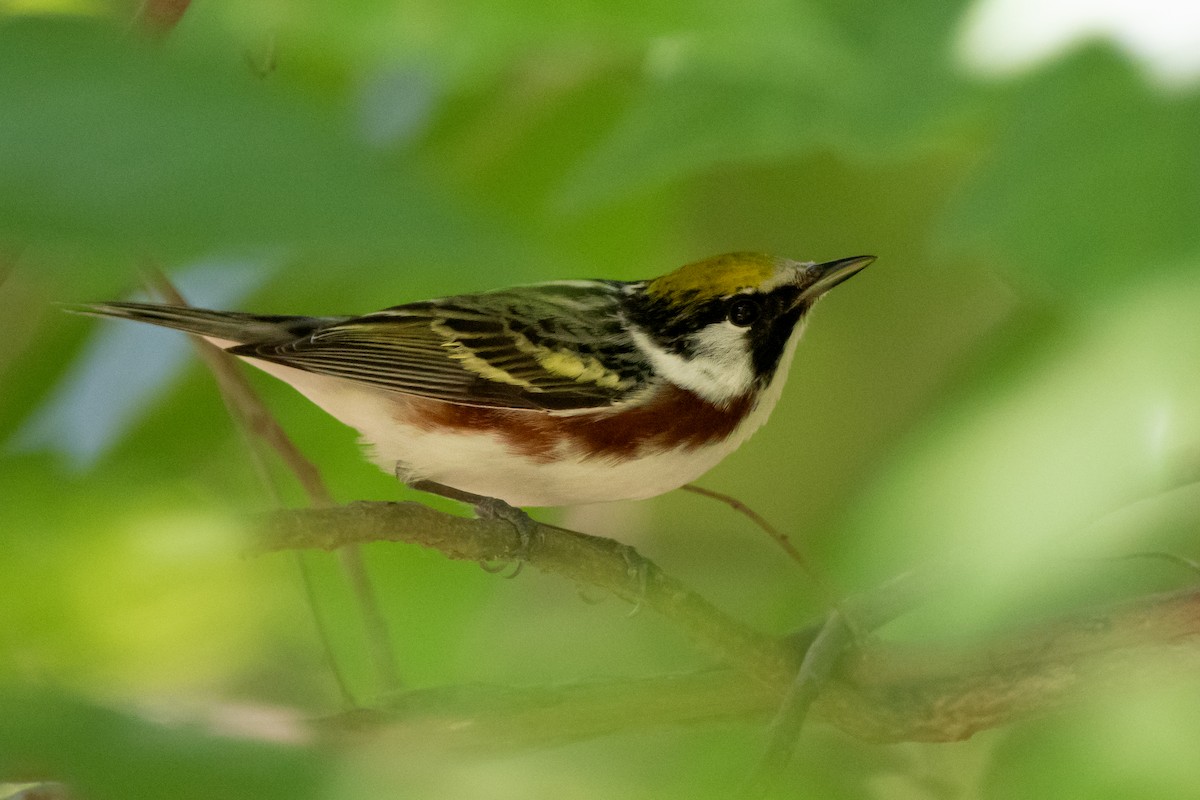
(547, 347)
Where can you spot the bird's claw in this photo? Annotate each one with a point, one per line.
(494, 508)
(485, 508)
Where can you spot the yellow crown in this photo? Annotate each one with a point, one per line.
(715, 277)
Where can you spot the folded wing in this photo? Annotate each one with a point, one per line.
(553, 347)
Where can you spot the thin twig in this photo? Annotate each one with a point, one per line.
(783, 734)
(1160, 555)
(314, 607)
(829, 596)
(777, 535)
(253, 415)
(489, 719)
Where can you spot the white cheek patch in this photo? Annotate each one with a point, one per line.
(720, 369)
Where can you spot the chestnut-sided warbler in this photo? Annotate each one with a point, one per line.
(551, 394)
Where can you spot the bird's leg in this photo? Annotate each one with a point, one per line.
(487, 508)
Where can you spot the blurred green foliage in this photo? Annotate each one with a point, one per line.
(1016, 372)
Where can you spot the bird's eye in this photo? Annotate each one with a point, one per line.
(744, 312)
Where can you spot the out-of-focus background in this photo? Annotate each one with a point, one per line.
(1017, 379)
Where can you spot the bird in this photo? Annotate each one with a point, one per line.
(550, 394)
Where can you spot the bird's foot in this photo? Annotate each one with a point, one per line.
(491, 508)
(494, 508)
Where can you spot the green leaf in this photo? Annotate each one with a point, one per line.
(107, 142)
(1027, 486)
(868, 86)
(1133, 742)
(101, 753)
(1094, 180)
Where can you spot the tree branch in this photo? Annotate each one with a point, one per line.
(592, 560)
(946, 692)
(890, 693)
(879, 691)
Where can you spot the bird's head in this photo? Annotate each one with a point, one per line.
(720, 327)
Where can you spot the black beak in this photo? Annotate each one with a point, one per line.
(823, 277)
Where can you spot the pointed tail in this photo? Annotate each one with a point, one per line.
(232, 326)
